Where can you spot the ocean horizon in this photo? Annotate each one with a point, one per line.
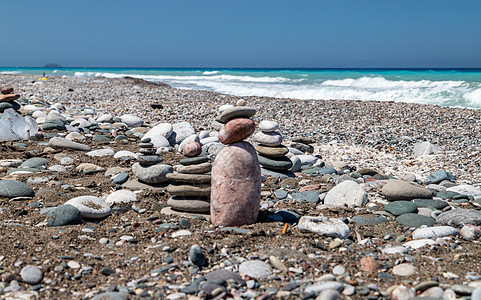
(450, 87)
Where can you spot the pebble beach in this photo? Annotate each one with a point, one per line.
(386, 204)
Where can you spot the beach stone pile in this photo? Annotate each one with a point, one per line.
(191, 188)
(7, 99)
(236, 176)
(271, 152)
(148, 168)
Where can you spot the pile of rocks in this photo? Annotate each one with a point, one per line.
(7, 99)
(148, 153)
(236, 178)
(191, 189)
(272, 154)
(149, 169)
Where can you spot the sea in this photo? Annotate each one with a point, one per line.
(444, 87)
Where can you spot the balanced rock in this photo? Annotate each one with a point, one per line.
(237, 112)
(236, 130)
(277, 151)
(190, 204)
(236, 186)
(194, 169)
(268, 138)
(275, 163)
(6, 90)
(268, 126)
(9, 97)
(152, 174)
(192, 149)
(189, 178)
(201, 190)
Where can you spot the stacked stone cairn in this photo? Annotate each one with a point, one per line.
(148, 168)
(272, 154)
(191, 188)
(236, 176)
(7, 99)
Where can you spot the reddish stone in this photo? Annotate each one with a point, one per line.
(9, 97)
(236, 130)
(7, 90)
(369, 179)
(368, 264)
(192, 149)
(236, 186)
(311, 187)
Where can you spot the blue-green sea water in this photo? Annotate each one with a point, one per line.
(445, 87)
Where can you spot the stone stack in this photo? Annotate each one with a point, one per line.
(271, 152)
(236, 176)
(148, 168)
(228, 112)
(191, 188)
(7, 99)
(148, 153)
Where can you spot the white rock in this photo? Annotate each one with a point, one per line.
(55, 115)
(402, 292)
(180, 131)
(425, 149)
(434, 232)
(181, 233)
(90, 206)
(80, 122)
(75, 136)
(101, 152)
(306, 159)
(121, 200)
(10, 163)
(324, 226)
(58, 168)
(465, 189)
(346, 193)
(318, 287)
(162, 129)
(105, 118)
(39, 114)
(30, 107)
(268, 126)
(296, 163)
(255, 268)
(405, 269)
(471, 232)
(419, 243)
(394, 250)
(204, 134)
(159, 141)
(67, 161)
(14, 127)
(124, 153)
(222, 108)
(132, 121)
(207, 140)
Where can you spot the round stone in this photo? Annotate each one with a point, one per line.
(163, 129)
(395, 190)
(180, 131)
(434, 232)
(35, 162)
(13, 189)
(189, 178)
(255, 269)
(192, 149)
(460, 217)
(414, 220)
(268, 126)
(268, 138)
(201, 190)
(347, 193)
(90, 206)
(236, 130)
(132, 121)
(31, 274)
(152, 174)
(101, 153)
(64, 215)
(236, 112)
(277, 151)
(275, 163)
(121, 199)
(296, 163)
(236, 186)
(196, 256)
(398, 208)
(403, 270)
(241, 102)
(190, 204)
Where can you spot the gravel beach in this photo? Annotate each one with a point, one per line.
(380, 252)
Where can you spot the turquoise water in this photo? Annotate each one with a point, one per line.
(445, 87)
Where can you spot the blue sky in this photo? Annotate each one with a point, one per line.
(340, 33)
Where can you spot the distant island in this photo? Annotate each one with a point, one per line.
(52, 66)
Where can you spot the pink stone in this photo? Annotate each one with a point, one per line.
(236, 130)
(192, 149)
(236, 186)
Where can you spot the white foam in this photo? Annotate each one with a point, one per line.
(10, 72)
(210, 72)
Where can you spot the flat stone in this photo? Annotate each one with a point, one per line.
(369, 221)
(194, 160)
(304, 140)
(302, 147)
(277, 174)
(308, 160)
(401, 190)
(236, 112)
(318, 287)
(460, 217)
(309, 196)
(275, 163)
(163, 129)
(277, 151)
(31, 274)
(236, 130)
(13, 189)
(149, 160)
(194, 169)
(268, 126)
(90, 207)
(465, 189)
(201, 190)
(131, 120)
(281, 194)
(121, 199)
(405, 269)
(414, 220)
(437, 204)
(271, 139)
(438, 176)
(100, 153)
(6, 90)
(35, 162)
(347, 193)
(53, 124)
(434, 232)
(152, 174)
(236, 186)
(64, 215)
(255, 269)
(416, 244)
(123, 153)
(58, 142)
(100, 138)
(225, 275)
(324, 226)
(112, 296)
(398, 208)
(189, 178)
(190, 204)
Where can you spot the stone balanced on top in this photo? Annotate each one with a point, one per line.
(236, 176)
(148, 167)
(272, 154)
(7, 99)
(191, 189)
